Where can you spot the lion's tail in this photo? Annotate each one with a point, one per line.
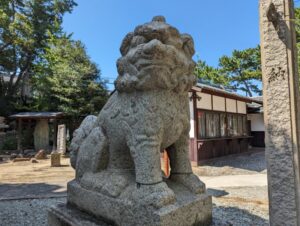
(88, 141)
(92, 155)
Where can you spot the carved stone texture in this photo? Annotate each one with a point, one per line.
(281, 111)
(42, 154)
(61, 139)
(117, 155)
(55, 159)
(41, 135)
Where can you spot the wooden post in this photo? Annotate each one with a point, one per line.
(19, 136)
(54, 135)
(166, 164)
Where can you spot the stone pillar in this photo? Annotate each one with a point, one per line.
(61, 139)
(281, 109)
(41, 135)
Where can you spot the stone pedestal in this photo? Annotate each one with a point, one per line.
(188, 210)
(55, 159)
(62, 215)
(281, 110)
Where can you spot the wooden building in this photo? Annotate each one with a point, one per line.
(41, 130)
(255, 115)
(219, 124)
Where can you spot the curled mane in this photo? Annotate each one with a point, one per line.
(154, 57)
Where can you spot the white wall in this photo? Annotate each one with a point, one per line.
(257, 122)
(192, 117)
(204, 102)
(241, 107)
(231, 105)
(218, 103)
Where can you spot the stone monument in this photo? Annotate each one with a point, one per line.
(41, 135)
(281, 110)
(117, 154)
(61, 138)
(55, 159)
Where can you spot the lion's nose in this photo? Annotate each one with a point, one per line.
(153, 47)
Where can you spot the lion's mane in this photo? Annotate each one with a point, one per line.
(156, 56)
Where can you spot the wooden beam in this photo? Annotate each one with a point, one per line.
(54, 135)
(166, 163)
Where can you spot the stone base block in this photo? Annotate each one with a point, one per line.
(66, 215)
(55, 159)
(188, 210)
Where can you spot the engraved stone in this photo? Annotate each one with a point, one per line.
(281, 110)
(117, 155)
(41, 135)
(61, 139)
(55, 159)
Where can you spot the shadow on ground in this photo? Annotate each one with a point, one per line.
(253, 160)
(216, 192)
(32, 190)
(227, 216)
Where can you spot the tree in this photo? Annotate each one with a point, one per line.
(213, 75)
(297, 28)
(239, 72)
(66, 80)
(25, 27)
(244, 70)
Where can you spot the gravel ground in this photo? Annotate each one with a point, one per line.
(242, 206)
(26, 212)
(238, 206)
(231, 206)
(246, 163)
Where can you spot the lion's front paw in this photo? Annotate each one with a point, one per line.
(191, 181)
(157, 195)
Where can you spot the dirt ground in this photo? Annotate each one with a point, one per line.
(27, 172)
(26, 179)
(237, 184)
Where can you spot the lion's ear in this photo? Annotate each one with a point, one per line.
(126, 43)
(188, 44)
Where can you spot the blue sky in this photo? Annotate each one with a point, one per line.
(217, 26)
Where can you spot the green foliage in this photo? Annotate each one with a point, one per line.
(239, 72)
(66, 80)
(297, 24)
(212, 75)
(25, 27)
(243, 68)
(9, 143)
(297, 28)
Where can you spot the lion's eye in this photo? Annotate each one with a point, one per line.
(137, 40)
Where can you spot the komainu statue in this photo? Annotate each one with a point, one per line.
(117, 154)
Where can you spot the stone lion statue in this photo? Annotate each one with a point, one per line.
(146, 114)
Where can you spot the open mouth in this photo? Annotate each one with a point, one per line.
(144, 64)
